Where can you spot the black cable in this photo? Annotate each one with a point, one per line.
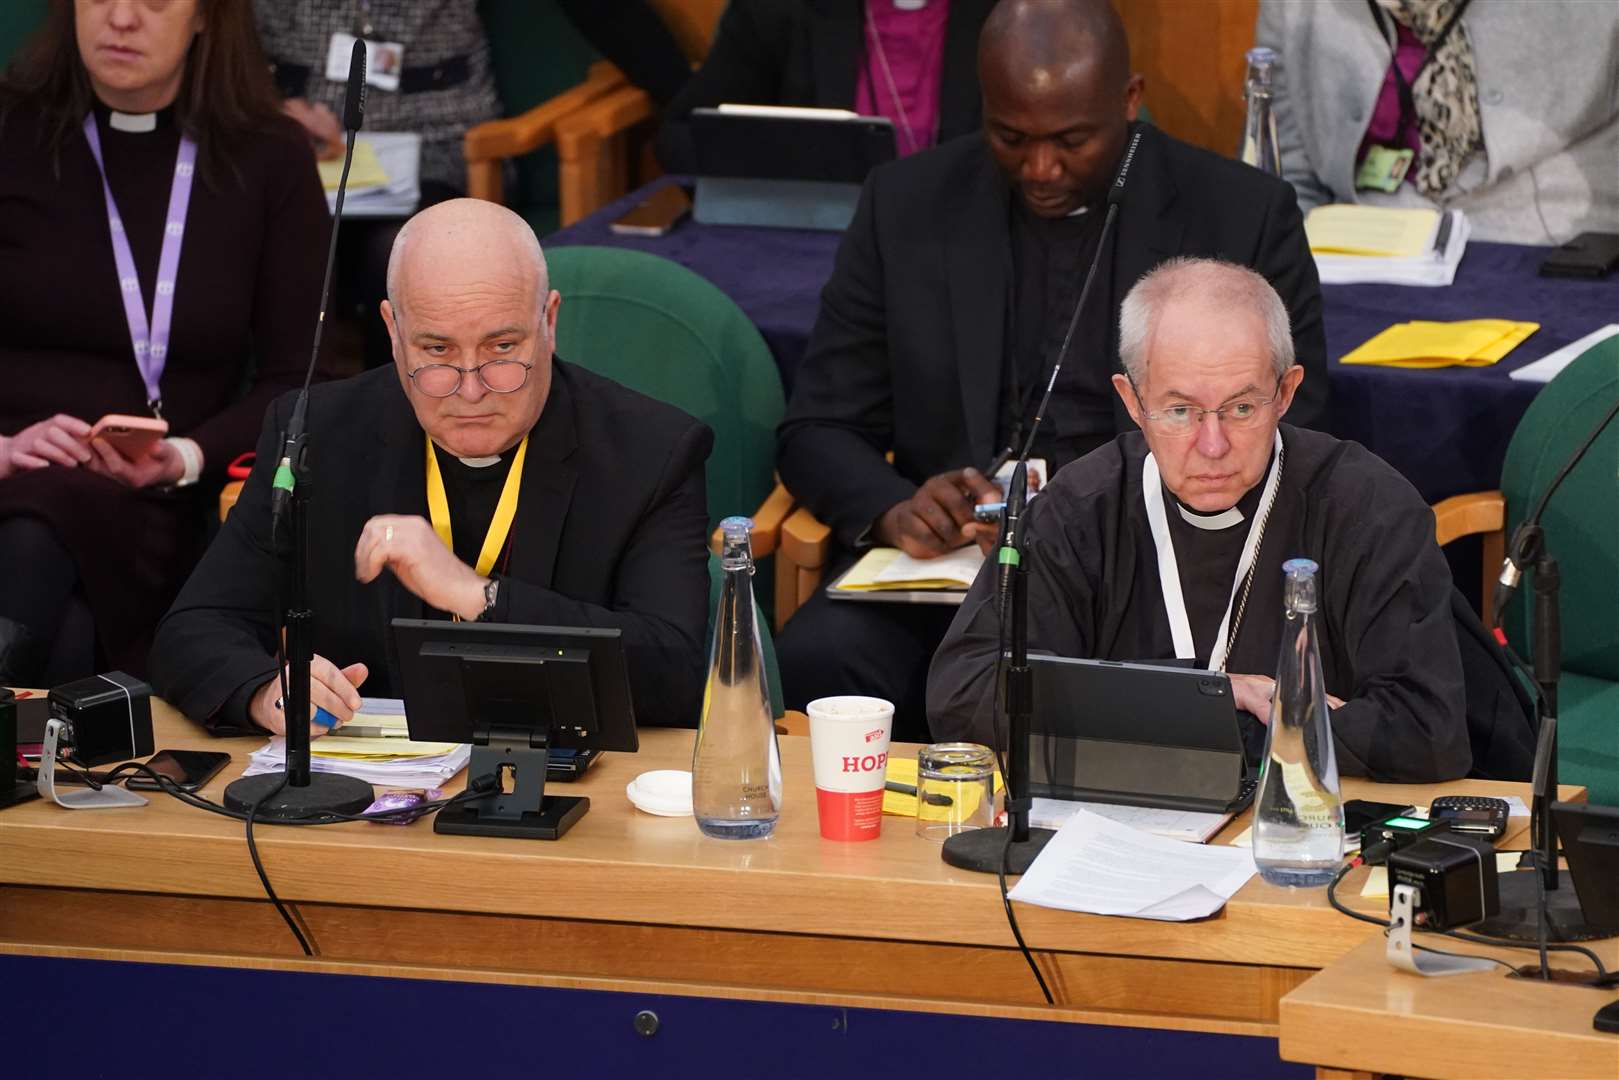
(264, 878)
(1006, 841)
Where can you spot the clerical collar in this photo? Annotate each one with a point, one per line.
(1220, 520)
(473, 463)
(134, 123)
(1211, 522)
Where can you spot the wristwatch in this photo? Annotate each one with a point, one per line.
(490, 589)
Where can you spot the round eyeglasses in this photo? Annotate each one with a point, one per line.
(1178, 421)
(497, 376)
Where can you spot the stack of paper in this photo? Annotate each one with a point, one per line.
(378, 750)
(1373, 244)
(1470, 343)
(1105, 868)
(384, 178)
(885, 568)
(1191, 826)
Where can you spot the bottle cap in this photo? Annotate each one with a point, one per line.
(664, 792)
(1298, 586)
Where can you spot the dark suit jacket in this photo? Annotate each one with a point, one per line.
(610, 532)
(809, 52)
(907, 349)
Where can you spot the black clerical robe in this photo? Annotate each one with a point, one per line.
(610, 532)
(1388, 640)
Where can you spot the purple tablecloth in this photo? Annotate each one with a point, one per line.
(1446, 429)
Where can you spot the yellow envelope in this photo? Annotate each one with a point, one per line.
(1469, 343)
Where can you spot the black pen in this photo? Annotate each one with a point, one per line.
(932, 798)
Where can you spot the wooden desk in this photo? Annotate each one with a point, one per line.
(631, 902)
(1362, 1014)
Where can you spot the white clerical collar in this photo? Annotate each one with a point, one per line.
(134, 123)
(1212, 522)
(479, 462)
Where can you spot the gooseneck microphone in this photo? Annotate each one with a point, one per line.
(293, 441)
(1013, 847)
(295, 793)
(1527, 538)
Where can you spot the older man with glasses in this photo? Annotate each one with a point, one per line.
(482, 478)
(1169, 541)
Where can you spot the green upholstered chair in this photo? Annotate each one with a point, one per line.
(544, 70)
(18, 20)
(659, 328)
(1582, 532)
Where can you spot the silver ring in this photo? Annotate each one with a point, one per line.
(388, 533)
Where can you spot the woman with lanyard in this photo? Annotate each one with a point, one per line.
(1506, 111)
(161, 237)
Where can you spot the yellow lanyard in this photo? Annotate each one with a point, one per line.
(438, 508)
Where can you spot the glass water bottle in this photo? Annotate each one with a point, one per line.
(1259, 146)
(1298, 817)
(736, 766)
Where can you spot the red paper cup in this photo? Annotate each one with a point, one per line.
(849, 745)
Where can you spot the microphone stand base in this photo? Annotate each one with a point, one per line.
(1519, 918)
(327, 793)
(979, 850)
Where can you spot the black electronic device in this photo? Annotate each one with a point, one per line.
(654, 215)
(1455, 876)
(13, 789)
(32, 713)
(1359, 813)
(188, 769)
(1588, 255)
(1590, 836)
(105, 718)
(1379, 840)
(514, 692)
(1476, 815)
(1137, 734)
(826, 146)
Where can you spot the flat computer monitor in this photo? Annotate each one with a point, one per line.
(1590, 838)
(513, 692)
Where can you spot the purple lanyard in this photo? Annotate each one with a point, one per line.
(151, 343)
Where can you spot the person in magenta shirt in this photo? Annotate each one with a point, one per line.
(912, 61)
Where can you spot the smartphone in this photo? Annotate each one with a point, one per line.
(189, 769)
(989, 513)
(1588, 255)
(1359, 813)
(656, 214)
(131, 436)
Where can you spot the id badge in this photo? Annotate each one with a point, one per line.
(383, 61)
(1383, 169)
(1037, 476)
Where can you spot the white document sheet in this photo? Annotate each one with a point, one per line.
(1190, 825)
(1548, 366)
(1105, 868)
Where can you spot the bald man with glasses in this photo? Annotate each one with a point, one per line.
(480, 478)
(1168, 542)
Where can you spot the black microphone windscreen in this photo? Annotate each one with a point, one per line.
(354, 98)
(1115, 194)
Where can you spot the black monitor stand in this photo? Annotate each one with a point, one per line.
(519, 807)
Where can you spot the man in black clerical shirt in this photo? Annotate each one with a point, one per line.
(480, 478)
(1169, 541)
(952, 293)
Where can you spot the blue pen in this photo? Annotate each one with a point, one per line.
(324, 718)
